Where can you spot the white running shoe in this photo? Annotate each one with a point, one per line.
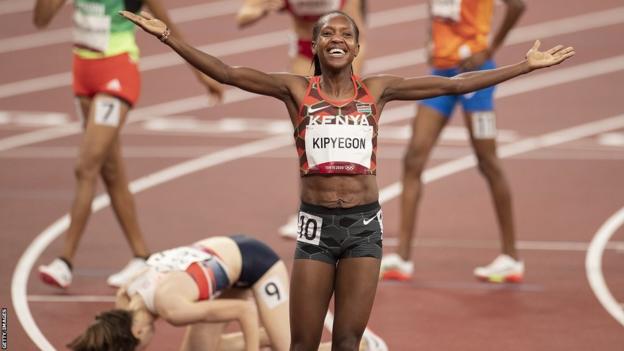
(504, 269)
(133, 267)
(56, 273)
(393, 267)
(373, 342)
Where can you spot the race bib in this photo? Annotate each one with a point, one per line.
(314, 7)
(446, 9)
(92, 27)
(107, 111)
(309, 228)
(484, 125)
(272, 292)
(177, 259)
(339, 143)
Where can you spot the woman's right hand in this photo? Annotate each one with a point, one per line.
(152, 25)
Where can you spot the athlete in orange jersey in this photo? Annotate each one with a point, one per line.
(304, 14)
(459, 43)
(340, 223)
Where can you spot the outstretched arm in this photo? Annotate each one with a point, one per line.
(254, 10)
(276, 85)
(44, 11)
(397, 88)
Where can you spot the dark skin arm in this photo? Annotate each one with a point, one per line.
(288, 88)
(44, 11)
(388, 88)
(513, 12)
(291, 88)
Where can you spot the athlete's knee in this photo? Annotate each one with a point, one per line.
(304, 341)
(348, 342)
(303, 345)
(489, 166)
(109, 173)
(414, 161)
(87, 168)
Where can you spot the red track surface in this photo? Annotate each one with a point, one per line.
(562, 193)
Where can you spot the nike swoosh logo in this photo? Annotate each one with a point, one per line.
(312, 110)
(366, 221)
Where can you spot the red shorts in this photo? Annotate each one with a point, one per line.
(117, 76)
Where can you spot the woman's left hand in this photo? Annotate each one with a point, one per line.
(147, 22)
(540, 59)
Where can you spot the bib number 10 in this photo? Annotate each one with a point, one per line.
(309, 228)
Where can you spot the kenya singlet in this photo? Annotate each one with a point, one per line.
(337, 137)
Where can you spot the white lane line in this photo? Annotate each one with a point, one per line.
(532, 82)
(232, 95)
(529, 245)
(39, 244)
(198, 12)
(222, 49)
(71, 298)
(593, 266)
(9, 7)
(537, 245)
(64, 35)
(530, 144)
(273, 39)
(516, 36)
(34, 250)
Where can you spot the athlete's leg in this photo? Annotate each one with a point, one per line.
(426, 128)
(271, 293)
(483, 138)
(203, 336)
(114, 176)
(311, 287)
(95, 146)
(356, 285)
(236, 341)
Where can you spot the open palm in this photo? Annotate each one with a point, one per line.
(554, 56)
(146, 21)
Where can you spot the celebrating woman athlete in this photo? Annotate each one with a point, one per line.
(335, 115)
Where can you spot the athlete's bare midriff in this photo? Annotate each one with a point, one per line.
(339, 191)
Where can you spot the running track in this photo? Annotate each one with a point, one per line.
(203, 170)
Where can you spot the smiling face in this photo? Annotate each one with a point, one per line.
(335, 40)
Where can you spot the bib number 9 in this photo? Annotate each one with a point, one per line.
(272, 292)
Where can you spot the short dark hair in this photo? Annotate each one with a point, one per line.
(317, 29)
(112, 330)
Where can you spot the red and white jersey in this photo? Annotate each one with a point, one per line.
(337, 137)
(312, 10)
